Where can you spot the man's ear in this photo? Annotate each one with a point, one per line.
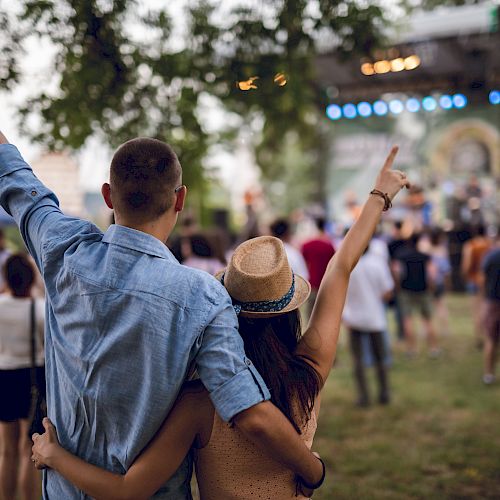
(106, 194)
(180, 198)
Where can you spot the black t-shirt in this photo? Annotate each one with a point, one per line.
(414, 268)
(491, 269)
(393, 246)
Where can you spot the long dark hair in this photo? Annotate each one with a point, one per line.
(293, 383)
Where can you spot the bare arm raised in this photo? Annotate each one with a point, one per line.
(319, 342)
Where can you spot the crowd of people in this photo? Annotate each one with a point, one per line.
(153, 365)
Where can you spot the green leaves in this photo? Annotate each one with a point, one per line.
(122, 70)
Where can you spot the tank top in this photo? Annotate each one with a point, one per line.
(232, 468)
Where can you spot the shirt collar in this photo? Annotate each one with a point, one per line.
(136, 240)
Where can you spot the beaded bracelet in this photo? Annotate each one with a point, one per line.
(385, 197)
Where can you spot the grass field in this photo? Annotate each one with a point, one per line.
(439, 438)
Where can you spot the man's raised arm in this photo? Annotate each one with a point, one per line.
(34, 207)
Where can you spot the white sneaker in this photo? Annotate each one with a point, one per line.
(488, 378)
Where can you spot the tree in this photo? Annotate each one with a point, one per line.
(119, 82)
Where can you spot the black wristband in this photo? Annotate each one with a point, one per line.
(314, 486)
(385, 196)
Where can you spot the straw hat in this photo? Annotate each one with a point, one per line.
(260, 280)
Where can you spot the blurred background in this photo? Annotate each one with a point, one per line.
(287, 109)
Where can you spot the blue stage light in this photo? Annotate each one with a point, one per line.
(412, 105)
(459, 101)
(364, 109)
(396, 106)
(334, 112)
(380, 108)
(446, 102)
(494, 97)
(429, 103)
(349, 111)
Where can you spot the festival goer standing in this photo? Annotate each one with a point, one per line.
(280, 229)
(370, 287)
(396, 241)
(414, 270)
(201, 255)
(442, 269)
(18, 477)
(491, 291)
(127, 323)
(4, 255)
(317, 253)
(472, 255)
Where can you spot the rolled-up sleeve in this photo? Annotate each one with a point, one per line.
(230, 377)
(33, 206)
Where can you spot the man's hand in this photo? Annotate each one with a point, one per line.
(3, 139)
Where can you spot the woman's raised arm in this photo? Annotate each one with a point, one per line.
(319, 342)
(190, 418)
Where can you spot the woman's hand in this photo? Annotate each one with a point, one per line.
(45, 446)
(391, 181)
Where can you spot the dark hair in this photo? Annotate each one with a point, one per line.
(293, 383)
(143, 175)
(19, 275)
(436, 236)
(200, 246)
(479, 230)
(320, 223)
(280, 228)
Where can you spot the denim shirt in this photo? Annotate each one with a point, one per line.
(125, 322)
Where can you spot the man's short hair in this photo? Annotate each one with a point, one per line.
(143, 176)
(280, 228)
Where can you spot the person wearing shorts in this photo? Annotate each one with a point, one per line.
(491, 287)
(18, 477)
(413, 270)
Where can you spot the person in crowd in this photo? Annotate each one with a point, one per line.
(267, 294)
(414, 270)
(18, 478)
(178, 241)
(4, 255)
(395, 242)
(317, 253)
(127, 324)
(280, 229)
(200, 254)
(491, 291)
(370, 287)
(442, 271)
(473, 253)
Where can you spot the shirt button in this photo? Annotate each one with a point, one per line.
(248, 362)
(33, 193)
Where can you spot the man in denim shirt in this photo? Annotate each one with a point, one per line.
(126, 322)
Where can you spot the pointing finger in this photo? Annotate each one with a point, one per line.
(390, 159)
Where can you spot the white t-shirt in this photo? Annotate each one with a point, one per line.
(364, 308)
(15, 332)
(296, 260)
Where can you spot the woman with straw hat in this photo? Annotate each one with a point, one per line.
(266, 296)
